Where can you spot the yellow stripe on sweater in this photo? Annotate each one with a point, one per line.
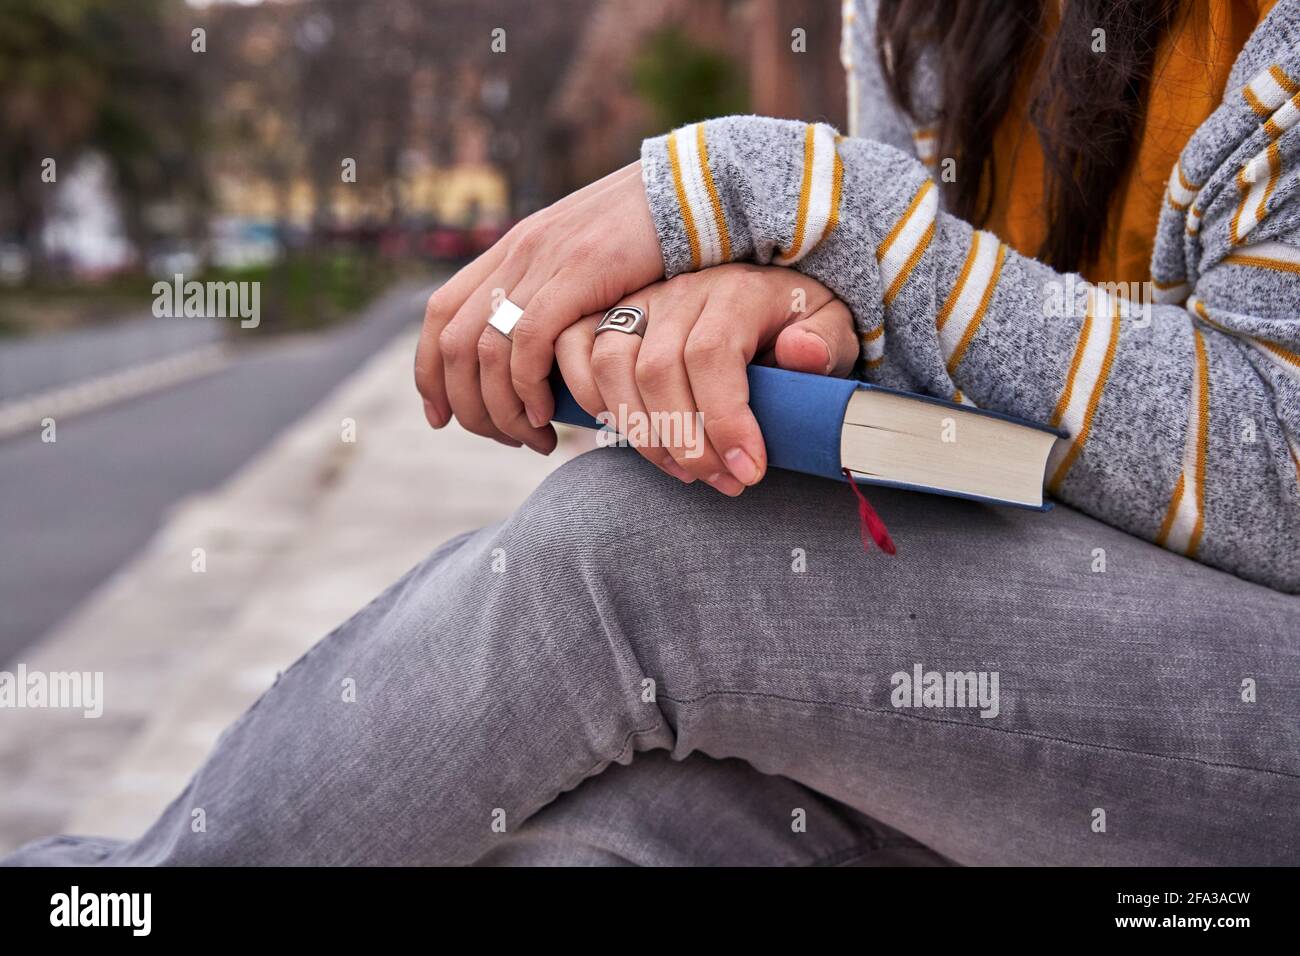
(1075, 361)
(1286, 116)
(1247, 215)
(1254, 102)
(892, 236)
(960, 351)
(955, 292)
(1288, 359)
(909, 264)
(1274, 167)
(1261, 262)
(1171, 512)
(1289, 86)
(1286, 355)
(719, 217)
(1195, 453)
(837, 185)
(805, 191)
(683, 204)
(1203, 446)
(1094, 399)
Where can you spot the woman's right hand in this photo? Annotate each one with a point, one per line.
(702, 329)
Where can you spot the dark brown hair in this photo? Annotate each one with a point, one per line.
(1086, 106)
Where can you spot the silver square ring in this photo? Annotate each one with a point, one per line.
(505, 318)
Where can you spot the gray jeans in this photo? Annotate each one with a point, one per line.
(1125, 706)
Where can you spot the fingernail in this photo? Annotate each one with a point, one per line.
(724, 483)
(742, 466)
(534, 418)
(436, 418)
(676, 470)
(827, 348)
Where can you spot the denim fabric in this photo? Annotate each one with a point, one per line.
(1148, 707)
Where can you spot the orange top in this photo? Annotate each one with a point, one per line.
(1191, 71)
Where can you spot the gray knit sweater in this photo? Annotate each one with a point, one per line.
(1183, 417)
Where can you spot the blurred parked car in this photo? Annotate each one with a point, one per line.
(243, 243)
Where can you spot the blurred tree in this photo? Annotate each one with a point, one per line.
(77, 75)
(684, 82)
(150, 125)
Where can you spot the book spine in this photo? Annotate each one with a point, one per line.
(801, 417)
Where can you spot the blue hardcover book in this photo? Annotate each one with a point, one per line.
(822, 426)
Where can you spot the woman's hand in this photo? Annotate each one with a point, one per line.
(702, 329)
(570, 259)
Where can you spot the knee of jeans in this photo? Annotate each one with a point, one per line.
(609, 504)
(584, 551)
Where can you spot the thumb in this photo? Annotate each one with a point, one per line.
(823, 343)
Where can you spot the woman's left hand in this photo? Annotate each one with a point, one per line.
(559, 264)
(680, 393)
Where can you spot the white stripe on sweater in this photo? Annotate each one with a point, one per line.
(873, 344)
(1287, 115)
(1259, 173)
(1275, 355)
(1179, 196)
(1283, 362)
(1102, 309)
(820, 190)
(971, 293)
(1189, 512)
(1267, 91)
(1274, 254)
(910, 236)
(697, 195)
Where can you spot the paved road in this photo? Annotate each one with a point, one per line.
(45, 362)
(72, 512)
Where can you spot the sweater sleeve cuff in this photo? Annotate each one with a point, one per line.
(730, 190)
(661, 193)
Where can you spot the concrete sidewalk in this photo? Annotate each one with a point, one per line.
(305, 535)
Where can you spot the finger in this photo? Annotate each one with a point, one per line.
(439, 310)
(450, 298)
(613, 364)
(499, 398)
(458, 345)
(717, 352)
(584, 277)
(573, 356)
(548, 312)
(665, 389)
(823, 343)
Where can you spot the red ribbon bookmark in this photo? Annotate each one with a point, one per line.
(869, 522)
